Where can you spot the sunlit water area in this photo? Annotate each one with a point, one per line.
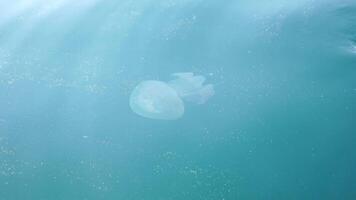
(177, 100)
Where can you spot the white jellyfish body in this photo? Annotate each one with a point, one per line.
(159, 100)
(156, 100)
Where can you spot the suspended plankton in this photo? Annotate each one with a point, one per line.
(165, 100)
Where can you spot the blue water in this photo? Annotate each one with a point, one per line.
(281, 125)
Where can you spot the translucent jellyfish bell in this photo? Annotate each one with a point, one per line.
(156, 100)
(160, 100)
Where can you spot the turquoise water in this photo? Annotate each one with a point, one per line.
(281, 125)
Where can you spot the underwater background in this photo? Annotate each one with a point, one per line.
(281, 125)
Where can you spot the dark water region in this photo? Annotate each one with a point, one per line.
(280, 125)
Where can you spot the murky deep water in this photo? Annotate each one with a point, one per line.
(281, 125)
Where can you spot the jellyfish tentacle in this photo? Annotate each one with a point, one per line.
(191, 87)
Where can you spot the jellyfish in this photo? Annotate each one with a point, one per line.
(156, 100)
(165, 100)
